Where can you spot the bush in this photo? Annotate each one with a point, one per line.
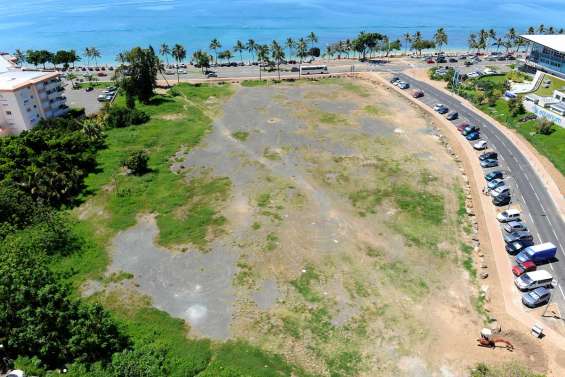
(136, 162)
(545, 127)
(120, 117)
(314, 51)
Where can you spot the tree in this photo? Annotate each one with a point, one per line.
(227, 55)
(215, 45)
(20, 57)
(251, 47)
(137, 162)
(329, 52)
(95, 53)
(92, 128)
(301, 49)
(407, 39)
(290, 45)
(262, 56)
(179, 54)
(545, 127)
(541, 29)
(312, 38)
(145, 361)
(419, 44)
(440, 38)
(531, 30)
(491, 36)
(239, 48)
(88, 55)
(277, 53)
(201, 59)
(137, 73)
(165, 51)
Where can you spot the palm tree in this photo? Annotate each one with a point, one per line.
(531, 30)
(407, 39)
(498, 43)
(312, 38)
(551, 30)
(20, 57)
(92, 128)
(472, 41)
(290, 45)
(239, 47)
(440, 38)
(262, 55)
(95, 54)
(417, 41)
(329, 52)
(301, 49)
(88, 55)
(251, 47)
(492, 36)
(541, 29)
(179, 54)
(214, 46)
(165, 51)
(277, 52)
(72, 77)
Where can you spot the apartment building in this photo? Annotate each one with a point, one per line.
(26, 97)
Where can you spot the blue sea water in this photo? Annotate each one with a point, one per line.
(115, 25)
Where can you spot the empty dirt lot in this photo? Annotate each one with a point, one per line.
(344, 241)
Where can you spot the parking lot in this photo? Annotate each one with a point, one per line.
(527, 191)
(81, 98)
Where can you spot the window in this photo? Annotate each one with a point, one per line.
(8, 113)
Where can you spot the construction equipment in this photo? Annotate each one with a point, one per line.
(487, 340)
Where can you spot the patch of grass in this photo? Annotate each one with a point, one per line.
(468, 262)
(245, 276)
(555, 84)
(272, 242)
(354, 88)
(331, 118)
(503, 370)
(240, 135)
(405, 279)
(117, 277)
(161, 191)
(304, 284)
(264, 200)
(420, 204)
(320, 324)
(345, 364)
(271, 155)
(254, 83)
(256, 225)
(373, 110)
(367, 200)
(375, 252)
(292, 327)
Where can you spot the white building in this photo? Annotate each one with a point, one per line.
(26, 97)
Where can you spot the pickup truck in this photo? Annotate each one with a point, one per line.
(514, 248)
(538, 254)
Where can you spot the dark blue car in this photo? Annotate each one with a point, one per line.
(473, 136)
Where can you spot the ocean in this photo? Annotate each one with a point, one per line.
(115, 25)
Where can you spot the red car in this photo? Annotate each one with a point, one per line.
(417, 94)
(522, 268)
(462, 126)
(430, 61)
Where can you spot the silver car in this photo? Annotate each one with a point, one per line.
(515, 226)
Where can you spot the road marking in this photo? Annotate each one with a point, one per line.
(561, 289)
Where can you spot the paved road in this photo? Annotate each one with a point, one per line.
(542, 217)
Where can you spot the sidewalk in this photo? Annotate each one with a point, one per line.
(492, 244)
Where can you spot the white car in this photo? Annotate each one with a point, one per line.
(438, 106)
(501, 190)
(480, 145)
(508, 215)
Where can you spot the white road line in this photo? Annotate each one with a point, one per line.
(551, 265)
(561, 289)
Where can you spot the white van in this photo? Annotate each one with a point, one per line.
(533, 280)
(508, 215)
(313, 69)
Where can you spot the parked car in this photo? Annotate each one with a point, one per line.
(473, 136)
(514, 248)
(522, 268)
(462, 126)
(453, 115)
(403, 85)
(467, 130)
(502, 200)
(493, 175)
(488, 156)
(490, 163)
(443, 110)
(499, 190)
(480, 145)
(394, 79)
(495, 183)
(534, 279)
(515, 226)
(453, 60)
(541, 253)
(89, 89)
(103, 98)
(537, 297)
(212, 75)
(518, 236)
(430, 61)
(508, 215)
(417, 94)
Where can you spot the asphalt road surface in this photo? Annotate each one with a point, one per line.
(540, 214)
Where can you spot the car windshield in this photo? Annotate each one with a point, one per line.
(527, 279)
(534, 295)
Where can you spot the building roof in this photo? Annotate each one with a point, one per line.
(12, 80)
(5, 63)
(553, 41)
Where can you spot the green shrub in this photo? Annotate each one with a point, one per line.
(545, 127)
(137, 162)
(120, 117)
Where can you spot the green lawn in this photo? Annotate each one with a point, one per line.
(555, 84)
